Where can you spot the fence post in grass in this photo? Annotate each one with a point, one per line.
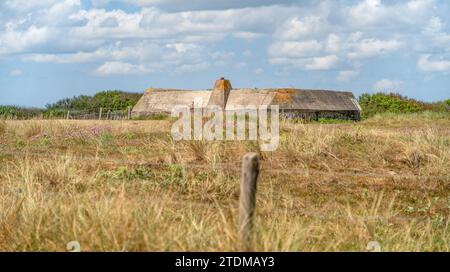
(250, 172)
(68, 115)
(129, 112)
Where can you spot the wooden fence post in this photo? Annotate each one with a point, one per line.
(68, 115)
(100, 114)
(129, 113)
(250, 172)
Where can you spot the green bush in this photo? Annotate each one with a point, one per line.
(377, 103)
(111, 100)
(19, 112)
(141, 173)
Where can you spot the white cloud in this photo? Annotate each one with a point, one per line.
(322, 63)
(435, 25)
(331, 35)
(334, 43)
(378, 13)
(368, 48)
(259, 71)
(247, 53)
(296, 28)
(142, 51)
(14, 41)
(245, 23)
(352, 33)
(240, 64)
(347, 75)
(100, 3)
(15, 72)
(295, 49)
(435, 30)
(425, 64)
(26, 5)
(181, 47)
(419, 5)
(79, 57)
(120, 68)
(221, 58)
(206, 4)
(189, 68)
(388, 85)
(367, 11)
(60, 10)
(246, 35)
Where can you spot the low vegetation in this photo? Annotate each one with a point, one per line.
(114, 101)
(127, 186)
(19, 112)
(377, 103)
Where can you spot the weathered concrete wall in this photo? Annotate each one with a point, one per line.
(219, 95)
(247, 97)
(316, 100)
(293, 103)
(163, 101)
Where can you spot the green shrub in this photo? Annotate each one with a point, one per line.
(140, 173)
(55, 113)
(377, 103)
(11, 112)
(111, 100)
(106, 139)
(174, 176)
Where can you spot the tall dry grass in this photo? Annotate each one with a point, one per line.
(127, 186)
(2, 127)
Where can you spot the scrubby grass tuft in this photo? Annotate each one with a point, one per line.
(2, 127)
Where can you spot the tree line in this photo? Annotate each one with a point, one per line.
(111, 100)
(376, 103)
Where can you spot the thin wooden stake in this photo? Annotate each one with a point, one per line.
(100, 114)
(68, 115)
(250, 172)
(129, 113)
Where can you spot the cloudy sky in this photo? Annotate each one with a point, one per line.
(50, 49)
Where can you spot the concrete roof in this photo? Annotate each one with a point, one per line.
(316, 100)
(163, 100)
(250, 97)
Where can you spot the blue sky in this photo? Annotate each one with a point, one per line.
(54, 49)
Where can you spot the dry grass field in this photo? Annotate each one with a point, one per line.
(127, 186)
